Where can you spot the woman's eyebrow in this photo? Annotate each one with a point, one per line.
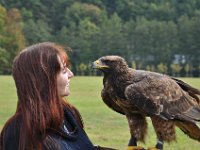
(64, 65)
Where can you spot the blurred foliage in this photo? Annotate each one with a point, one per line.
(160, 36)
(12, 39)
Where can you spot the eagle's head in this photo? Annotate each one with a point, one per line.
(108, 64)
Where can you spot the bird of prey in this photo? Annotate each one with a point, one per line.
(138, 94)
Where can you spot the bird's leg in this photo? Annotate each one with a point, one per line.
(138, 128)
(165, 131)
(159, 144)
(132, 141)
(132, 145)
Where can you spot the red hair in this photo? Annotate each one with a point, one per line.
(35, 71)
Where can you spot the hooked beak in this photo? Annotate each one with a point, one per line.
(98, 65)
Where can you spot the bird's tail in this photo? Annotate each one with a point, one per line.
(191, 129)
(188, 88)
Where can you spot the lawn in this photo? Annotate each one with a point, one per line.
(104, 126)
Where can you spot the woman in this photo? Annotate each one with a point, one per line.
(43, 119)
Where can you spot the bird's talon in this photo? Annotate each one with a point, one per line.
(135, 148)
(153, 148)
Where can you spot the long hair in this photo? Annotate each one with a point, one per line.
(35, 71)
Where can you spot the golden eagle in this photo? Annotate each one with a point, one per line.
(138, 94)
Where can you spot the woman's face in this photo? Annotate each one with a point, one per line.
(63, 80)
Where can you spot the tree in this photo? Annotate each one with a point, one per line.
(82, 68)
(11, 38)
(147, 32)
(187, 69)
(155, 41)
(162, 68)
(175, 69)
(111, 37)
(189, 34)
(79, 11)
(38, 31)
(3, 40)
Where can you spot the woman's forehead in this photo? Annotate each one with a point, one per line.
(62, 61)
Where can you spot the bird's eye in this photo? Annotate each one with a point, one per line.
(104, 60)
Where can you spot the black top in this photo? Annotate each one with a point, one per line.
(70, 136)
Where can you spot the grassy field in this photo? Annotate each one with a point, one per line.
(104, 126)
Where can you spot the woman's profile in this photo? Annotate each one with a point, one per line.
(43, 119)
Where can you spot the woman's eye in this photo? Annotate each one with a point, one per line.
(64, 69)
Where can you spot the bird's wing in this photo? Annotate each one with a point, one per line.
(156, 94)
(109, 101)
(193, 92)
(191, 129)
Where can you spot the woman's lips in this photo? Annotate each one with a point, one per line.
(67, 84)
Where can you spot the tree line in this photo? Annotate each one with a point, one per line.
(155, 35)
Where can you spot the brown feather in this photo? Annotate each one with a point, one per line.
(191, 129)
(110, 102)
(193, 92)
(165, 130)
(137, 94)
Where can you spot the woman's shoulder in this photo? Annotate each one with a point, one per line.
(75, 113)
(13, 124)
(10, 133)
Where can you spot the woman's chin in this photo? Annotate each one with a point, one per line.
(65, 94)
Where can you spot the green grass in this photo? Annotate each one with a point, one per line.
(103, 126)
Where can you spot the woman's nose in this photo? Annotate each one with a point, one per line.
(70, 73)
